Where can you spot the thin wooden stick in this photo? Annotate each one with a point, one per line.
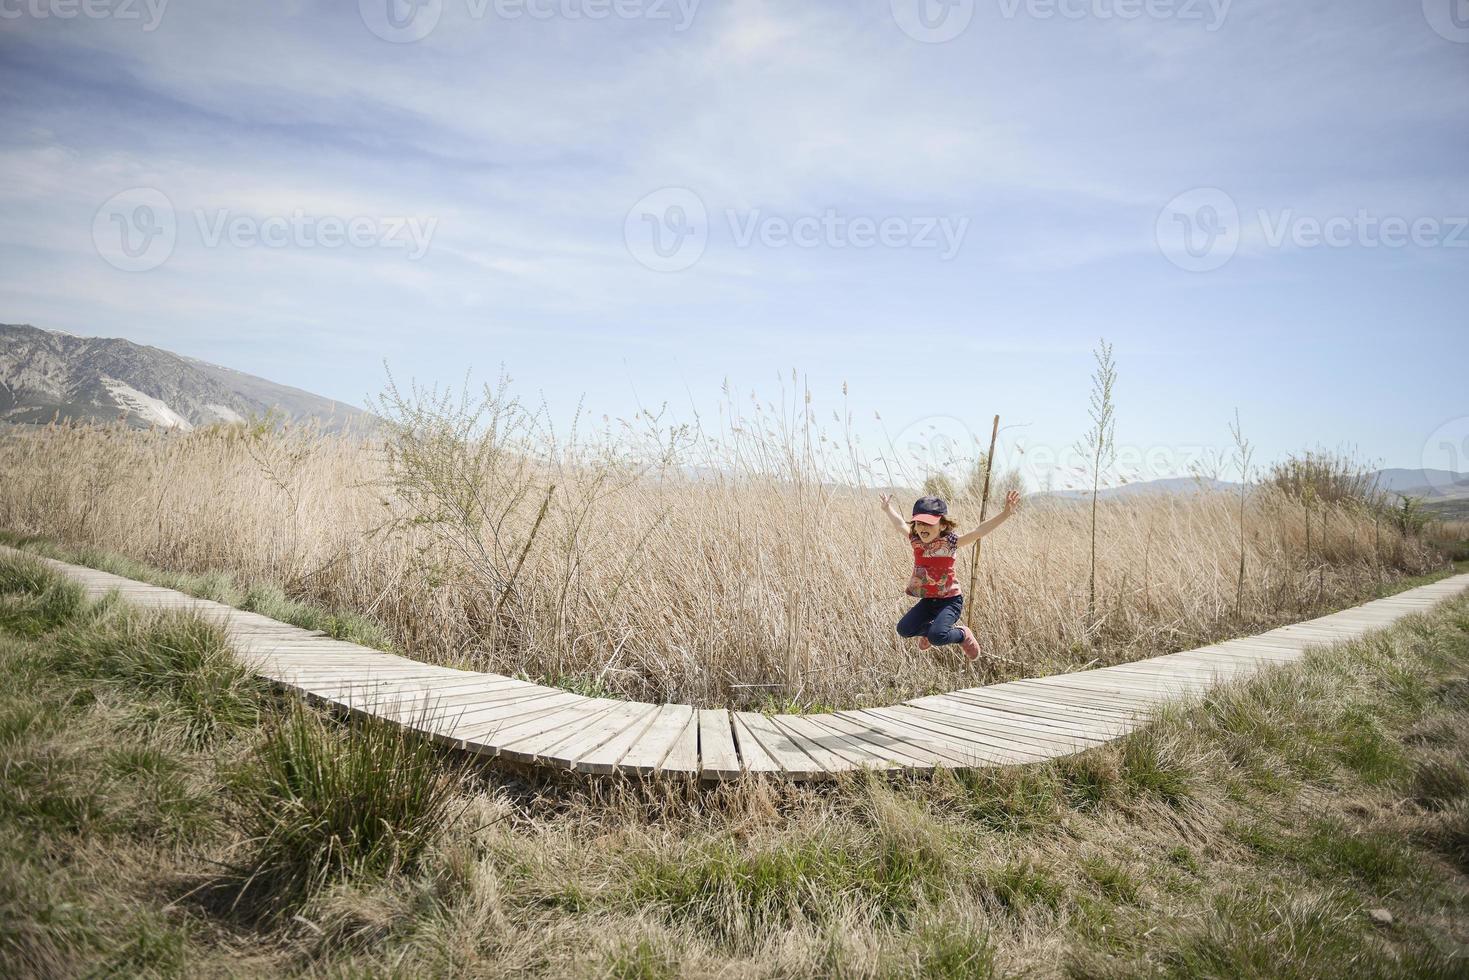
(984, 500)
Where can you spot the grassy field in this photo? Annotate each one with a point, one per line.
(162, 815)
(668, 564)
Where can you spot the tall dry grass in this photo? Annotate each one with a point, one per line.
(729, 562)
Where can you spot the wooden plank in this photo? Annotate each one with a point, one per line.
(1121, 691)
(461, 699)
(948, 736)
(825, 760)
(647, 753)
(1091, 692)
(543, 737)
(1059, 720)
(504, 732)
(1024, 733)
(481, 682)
(1018, 699)
(958, 755)
(1124, 684)
(854, 754)
(1097, 702)
(683, 754)
(1025, 748)
(752, 755)
(718, 757)
(777, 744)
(911, 754)
(604, 757)
(477, 724)
(1207, 670)
(1133, 684)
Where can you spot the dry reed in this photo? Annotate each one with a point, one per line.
(665, 562)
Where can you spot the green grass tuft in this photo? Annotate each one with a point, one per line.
(181, 665)
(35, 600)
(1148, 769)
(321, 804)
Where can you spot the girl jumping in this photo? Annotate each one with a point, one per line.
(935, 543)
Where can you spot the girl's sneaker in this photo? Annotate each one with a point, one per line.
(970, 645)
(923, 643)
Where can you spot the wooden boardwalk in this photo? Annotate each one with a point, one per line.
(493, 715)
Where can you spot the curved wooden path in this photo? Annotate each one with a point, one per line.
(493, 715)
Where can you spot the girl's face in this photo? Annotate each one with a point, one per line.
(927, 532)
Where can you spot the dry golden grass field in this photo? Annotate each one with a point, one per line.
(748, 566)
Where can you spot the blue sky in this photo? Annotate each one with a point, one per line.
(508, 168)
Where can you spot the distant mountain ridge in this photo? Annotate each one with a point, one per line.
(1428, 484)
(47, 375)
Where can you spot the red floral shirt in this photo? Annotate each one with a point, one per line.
(933, 567)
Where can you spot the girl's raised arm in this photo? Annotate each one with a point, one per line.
(893, 515)
(1012, 502)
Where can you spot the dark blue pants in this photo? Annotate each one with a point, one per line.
(934, 618)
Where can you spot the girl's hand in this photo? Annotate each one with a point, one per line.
(1012, 501)
(887, 500)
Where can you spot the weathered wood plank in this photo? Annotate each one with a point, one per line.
(718, 757)
(851, 752)
(604, 757)
(683, 754)
(779, 746)
(752, 753)
(911, 754)
(648, 751)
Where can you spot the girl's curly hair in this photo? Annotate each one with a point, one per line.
(946, 525)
